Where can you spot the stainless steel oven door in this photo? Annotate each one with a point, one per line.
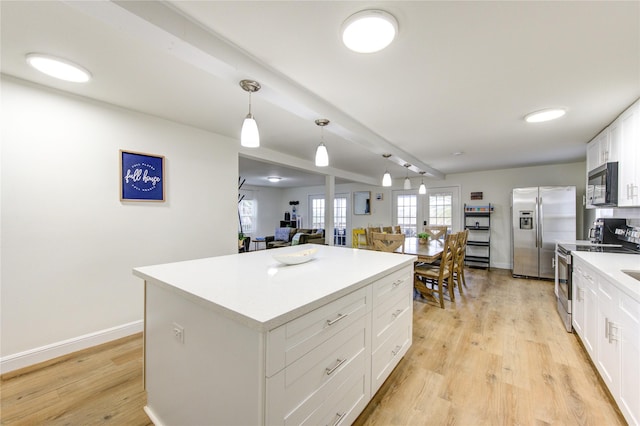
(563, 287)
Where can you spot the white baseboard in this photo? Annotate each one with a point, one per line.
(65, 347)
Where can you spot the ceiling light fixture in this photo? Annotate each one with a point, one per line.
(369, 31)
(58, 68)
(322, 156)
(423, 189)
(407, 182)
(545, 115)
(386, 178)
(274, 179)
(249, 136)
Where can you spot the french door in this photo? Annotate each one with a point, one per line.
(439, 206)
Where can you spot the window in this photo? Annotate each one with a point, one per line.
(317, 213)
(407, 214)
(440, 209)
(247, 210)
(340, 221)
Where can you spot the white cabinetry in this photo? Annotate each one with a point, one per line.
(602, 149)
(626, 132)
(613, 338)
(620, 142)
(583, 306)
(318, 358)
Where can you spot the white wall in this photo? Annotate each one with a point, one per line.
(496, 186)
(270, 211)
(68, 243)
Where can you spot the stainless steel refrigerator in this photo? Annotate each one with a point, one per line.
(541, 217)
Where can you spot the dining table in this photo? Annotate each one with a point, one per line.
(429, 252)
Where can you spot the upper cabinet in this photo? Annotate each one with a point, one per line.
(627, 134)
(620, 142)
(602, 149)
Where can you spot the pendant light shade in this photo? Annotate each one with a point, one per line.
(249, 136)
(423, 189)
(322, 155)
(386, 179)
(407, 182)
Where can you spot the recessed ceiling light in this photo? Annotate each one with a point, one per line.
(457, 153)
(545, 115)
(369, 31)
(274, 179)
(58, 68)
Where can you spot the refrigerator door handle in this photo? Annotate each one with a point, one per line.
(536, 223)
(540, 221)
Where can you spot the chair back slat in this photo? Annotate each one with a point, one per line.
(387, 242)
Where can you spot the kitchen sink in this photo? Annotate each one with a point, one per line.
(633, 274)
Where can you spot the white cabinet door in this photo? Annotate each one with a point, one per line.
(629, 341)
(608, 353)
(628, 136)
(577, 299)
(590, 317)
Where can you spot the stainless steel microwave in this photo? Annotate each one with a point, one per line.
(602, 186)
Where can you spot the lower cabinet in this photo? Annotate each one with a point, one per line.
(325, 366)
(583, 302)
(609, 327)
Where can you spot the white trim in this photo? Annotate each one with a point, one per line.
(154, 419)
(65, 347)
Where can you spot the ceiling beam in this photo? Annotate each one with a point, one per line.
(166, 28)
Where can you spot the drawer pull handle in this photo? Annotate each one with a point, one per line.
(339, 362)
(396, 283)
(340, 316)
(396, 313)
(339, 418)
(396, 350)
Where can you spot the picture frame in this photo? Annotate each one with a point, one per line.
(362, 202)
(141, 177)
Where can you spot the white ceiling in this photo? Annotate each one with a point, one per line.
(459, 77)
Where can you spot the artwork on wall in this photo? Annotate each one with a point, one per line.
(476, 195)
(141, 176)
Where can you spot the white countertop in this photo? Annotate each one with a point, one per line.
(612, 264)
(255, 289)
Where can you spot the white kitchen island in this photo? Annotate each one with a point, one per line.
(245, 340)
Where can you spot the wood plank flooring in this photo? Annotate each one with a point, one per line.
(498, 356)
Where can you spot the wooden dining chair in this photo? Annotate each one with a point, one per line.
(458, 268)
(387, 242)
(369, 231)
(429, 280)
(397, 229)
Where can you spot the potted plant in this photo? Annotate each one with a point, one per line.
(423, 237)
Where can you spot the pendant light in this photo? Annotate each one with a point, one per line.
(249, 136)
(386, 178)
(407, 182)
(423, 189)
(322, 156)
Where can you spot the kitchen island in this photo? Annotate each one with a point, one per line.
(243, 339)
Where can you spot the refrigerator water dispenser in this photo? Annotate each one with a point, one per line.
(526, 219)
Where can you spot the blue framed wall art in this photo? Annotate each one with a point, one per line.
(141, 176)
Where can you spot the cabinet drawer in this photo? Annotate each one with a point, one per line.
(295, 392)
(389, 314)
(345, 404)
(390, 352)
(294, 339)
(387, 286)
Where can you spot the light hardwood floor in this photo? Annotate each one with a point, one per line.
(499, 356)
